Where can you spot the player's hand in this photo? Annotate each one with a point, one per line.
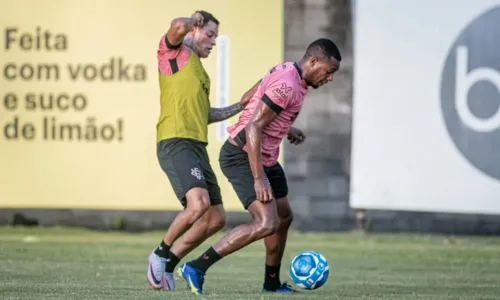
(197, 19)
(263, 190)
(296, 136)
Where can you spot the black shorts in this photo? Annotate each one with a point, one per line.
(187, 165)
(236, 167)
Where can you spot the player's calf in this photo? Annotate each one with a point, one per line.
(275, 244)
(210, 223)
(197, 203)
(275, 247)
(215, 223)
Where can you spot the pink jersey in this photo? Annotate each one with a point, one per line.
(171, 57)
(283, 90)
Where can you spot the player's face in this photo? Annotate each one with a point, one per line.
(204, 38)
(321, 71)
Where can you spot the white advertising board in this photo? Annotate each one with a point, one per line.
(426, 119)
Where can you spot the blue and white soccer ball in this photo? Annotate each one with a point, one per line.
(309, 270)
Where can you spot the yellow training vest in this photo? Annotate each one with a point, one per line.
(184, 103)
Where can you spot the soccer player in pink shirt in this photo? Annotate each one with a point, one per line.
(249, 160)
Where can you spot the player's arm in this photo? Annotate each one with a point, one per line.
(265, 112)
(179, 27)
(277, 96)
(262, 116)
(224, 113)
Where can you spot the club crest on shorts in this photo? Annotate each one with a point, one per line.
(197, 173)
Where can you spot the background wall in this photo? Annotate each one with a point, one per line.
(318, 170)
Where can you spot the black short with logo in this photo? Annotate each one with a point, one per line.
(187, 165)
(235, 166)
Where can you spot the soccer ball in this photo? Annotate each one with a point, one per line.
(309, 270)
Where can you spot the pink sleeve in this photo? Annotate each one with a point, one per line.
(278, 93)
(165, 52)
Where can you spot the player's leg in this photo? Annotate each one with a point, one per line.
(159, 259)
(197, 203)
(276, 243)
(211, 222)
(275, 248)
(180, 161)
(264, 223)
(235, 166)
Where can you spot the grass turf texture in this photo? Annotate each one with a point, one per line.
(60, 263)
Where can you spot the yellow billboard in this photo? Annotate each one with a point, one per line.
(80, 98)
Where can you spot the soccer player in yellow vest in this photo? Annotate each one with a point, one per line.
(182, 131)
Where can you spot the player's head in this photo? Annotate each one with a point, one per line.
(204, 36)
(320, 62)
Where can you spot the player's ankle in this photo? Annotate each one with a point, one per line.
(206, 260)
(172, 262)
(162, 250)
(272, 280)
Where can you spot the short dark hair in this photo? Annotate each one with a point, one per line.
(324, 47)
(207, 17)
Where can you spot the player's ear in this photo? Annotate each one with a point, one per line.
(194, 30)
(313, 61)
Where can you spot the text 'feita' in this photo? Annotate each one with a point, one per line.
(116, 68)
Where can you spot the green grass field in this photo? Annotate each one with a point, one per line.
(79, 264)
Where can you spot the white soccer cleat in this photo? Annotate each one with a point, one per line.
(168, 281)
(156, 271)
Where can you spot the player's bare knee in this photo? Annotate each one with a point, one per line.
(286, 221)
(266, 227)
(197, 210)
(197, 205)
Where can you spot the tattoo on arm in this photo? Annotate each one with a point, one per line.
(224, 113)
